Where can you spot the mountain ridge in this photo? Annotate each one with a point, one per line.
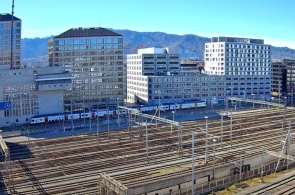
(188, 45)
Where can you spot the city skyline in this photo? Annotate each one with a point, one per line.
(266, 19)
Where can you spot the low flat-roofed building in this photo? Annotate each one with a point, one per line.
(29, 92)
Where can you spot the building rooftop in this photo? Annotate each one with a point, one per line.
(7, 17)
(237, 40)
(87, 32)
(153, 50)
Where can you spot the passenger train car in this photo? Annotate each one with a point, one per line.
(111, 112)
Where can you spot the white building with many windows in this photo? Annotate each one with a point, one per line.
(148, 62)
(244, 61)
(237, 56)
(154, 76)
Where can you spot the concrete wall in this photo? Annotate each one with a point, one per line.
(163, 187)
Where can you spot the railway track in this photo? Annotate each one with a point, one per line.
(284, 186)
(71, 165)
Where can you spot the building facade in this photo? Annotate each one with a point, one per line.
(155, 76)
(283, 80)
(245, 62)
(279, 79)
(290, 80)
(29, 92)
(94, 57)
(26, 92)
(148, 62)
(5, 41)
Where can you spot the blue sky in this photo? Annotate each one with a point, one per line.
(271, 20)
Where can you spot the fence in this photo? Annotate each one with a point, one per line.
(225, 182)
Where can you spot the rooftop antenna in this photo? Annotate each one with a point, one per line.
(11, 38)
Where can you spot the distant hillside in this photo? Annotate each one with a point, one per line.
(35, 47)
(186, 45)
(182, 44)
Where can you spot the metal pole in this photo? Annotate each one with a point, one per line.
(253, 99)
(118, 111)
(193, 162)
(90, 120)
(240, 167)
(279, 92)
(206, 140)
(288, 143)
(221, 129)
(226, 101)
(108, 115)
(231, 126)
(282, 129)
(141, 115)
(262, 165)
(180, 139)
(97, 125)
(63, 116)
(59, 114)
(28, 135)
(72, 121)
(147, 141)
(159, 111)
(173, 121)
(84, 112)
(214, 140)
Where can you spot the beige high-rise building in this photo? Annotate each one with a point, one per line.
(94, 56)
(5, 41)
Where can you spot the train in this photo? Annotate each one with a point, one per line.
(94, 114)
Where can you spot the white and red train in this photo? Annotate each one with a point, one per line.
(104, 112)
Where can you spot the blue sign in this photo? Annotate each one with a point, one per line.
(5, 105)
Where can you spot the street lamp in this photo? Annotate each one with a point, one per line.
(214, 141)
(172, 119)
(206, 117)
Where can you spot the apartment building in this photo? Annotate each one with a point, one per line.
(94, 57)
(5, 41)
(245, 63)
